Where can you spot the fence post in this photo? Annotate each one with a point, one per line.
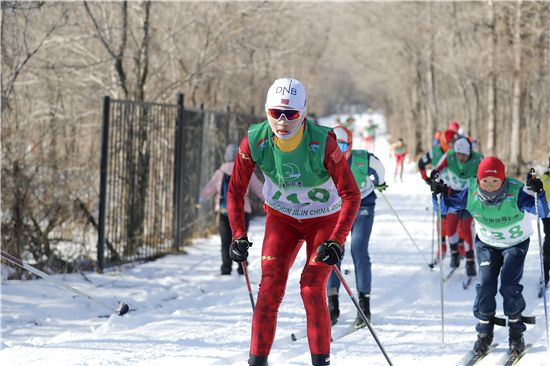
(103, 185)
(178, 171)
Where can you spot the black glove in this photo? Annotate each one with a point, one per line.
(428, 181)
(238, 251)
(434, 174)
(381, 187)
(330, 252)
(534, 184)
(439, 186)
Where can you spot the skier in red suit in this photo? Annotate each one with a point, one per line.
(310, 195)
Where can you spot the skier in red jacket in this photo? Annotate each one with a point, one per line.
(310, 195)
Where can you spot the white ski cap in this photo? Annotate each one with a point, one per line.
(286, 93)
(344, 134)
(341, 134)
(462, 145)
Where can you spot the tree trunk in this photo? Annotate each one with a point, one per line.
(515, 138)
(492, 87)
(432, 120)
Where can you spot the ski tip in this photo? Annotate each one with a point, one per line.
(122, 309)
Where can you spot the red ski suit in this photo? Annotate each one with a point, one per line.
(284, 235)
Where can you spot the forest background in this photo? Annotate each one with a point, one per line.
(483, 64)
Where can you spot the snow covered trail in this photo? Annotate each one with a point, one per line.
(182, 312)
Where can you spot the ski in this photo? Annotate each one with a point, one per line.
(450, 274)
(476, 358)
(337, 333)
(340, 333)
(298, 335)
(468, 282)
(515, 358)
(345, 332)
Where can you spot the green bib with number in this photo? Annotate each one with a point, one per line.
(459, 174)
(399, 150)
(501, 226)
(297, 182)
(360, 170)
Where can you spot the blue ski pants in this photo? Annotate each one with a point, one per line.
(508, 262)
(546, 248)
(360, 236)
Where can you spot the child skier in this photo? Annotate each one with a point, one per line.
(400, 149)
(363, 165)
(432, 157)
(218, 184)
(498, 204)
(310, 194)
(461, 164)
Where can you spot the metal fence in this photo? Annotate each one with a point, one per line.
(155, 159)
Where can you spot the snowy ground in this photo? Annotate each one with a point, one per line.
(184, 313)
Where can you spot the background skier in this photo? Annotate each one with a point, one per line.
(218, 185)
(399, 149)
(432, 157)
(461, 164)
(363, 165)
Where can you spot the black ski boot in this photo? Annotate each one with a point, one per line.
(320, 359)
(455, 256)
(333, 308)
(517, 345)
(546, 265)
(471, 263)
(364, 304)
(483, 342)
(254, 360)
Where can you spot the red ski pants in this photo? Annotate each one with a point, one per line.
(399, 160)
(284, 236)
(463, 220)
(443, 233)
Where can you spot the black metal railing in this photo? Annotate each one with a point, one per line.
(155, 159)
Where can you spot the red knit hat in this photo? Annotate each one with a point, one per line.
(491, 167)
(447, 137)
(454, 126)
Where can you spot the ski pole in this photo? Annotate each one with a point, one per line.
(541, 264)
(440, 244)
(398, 219)
(245, 271)
(122, 307)
(433, 235)
(335, 267)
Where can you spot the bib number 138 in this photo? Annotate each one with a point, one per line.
(514, 232)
